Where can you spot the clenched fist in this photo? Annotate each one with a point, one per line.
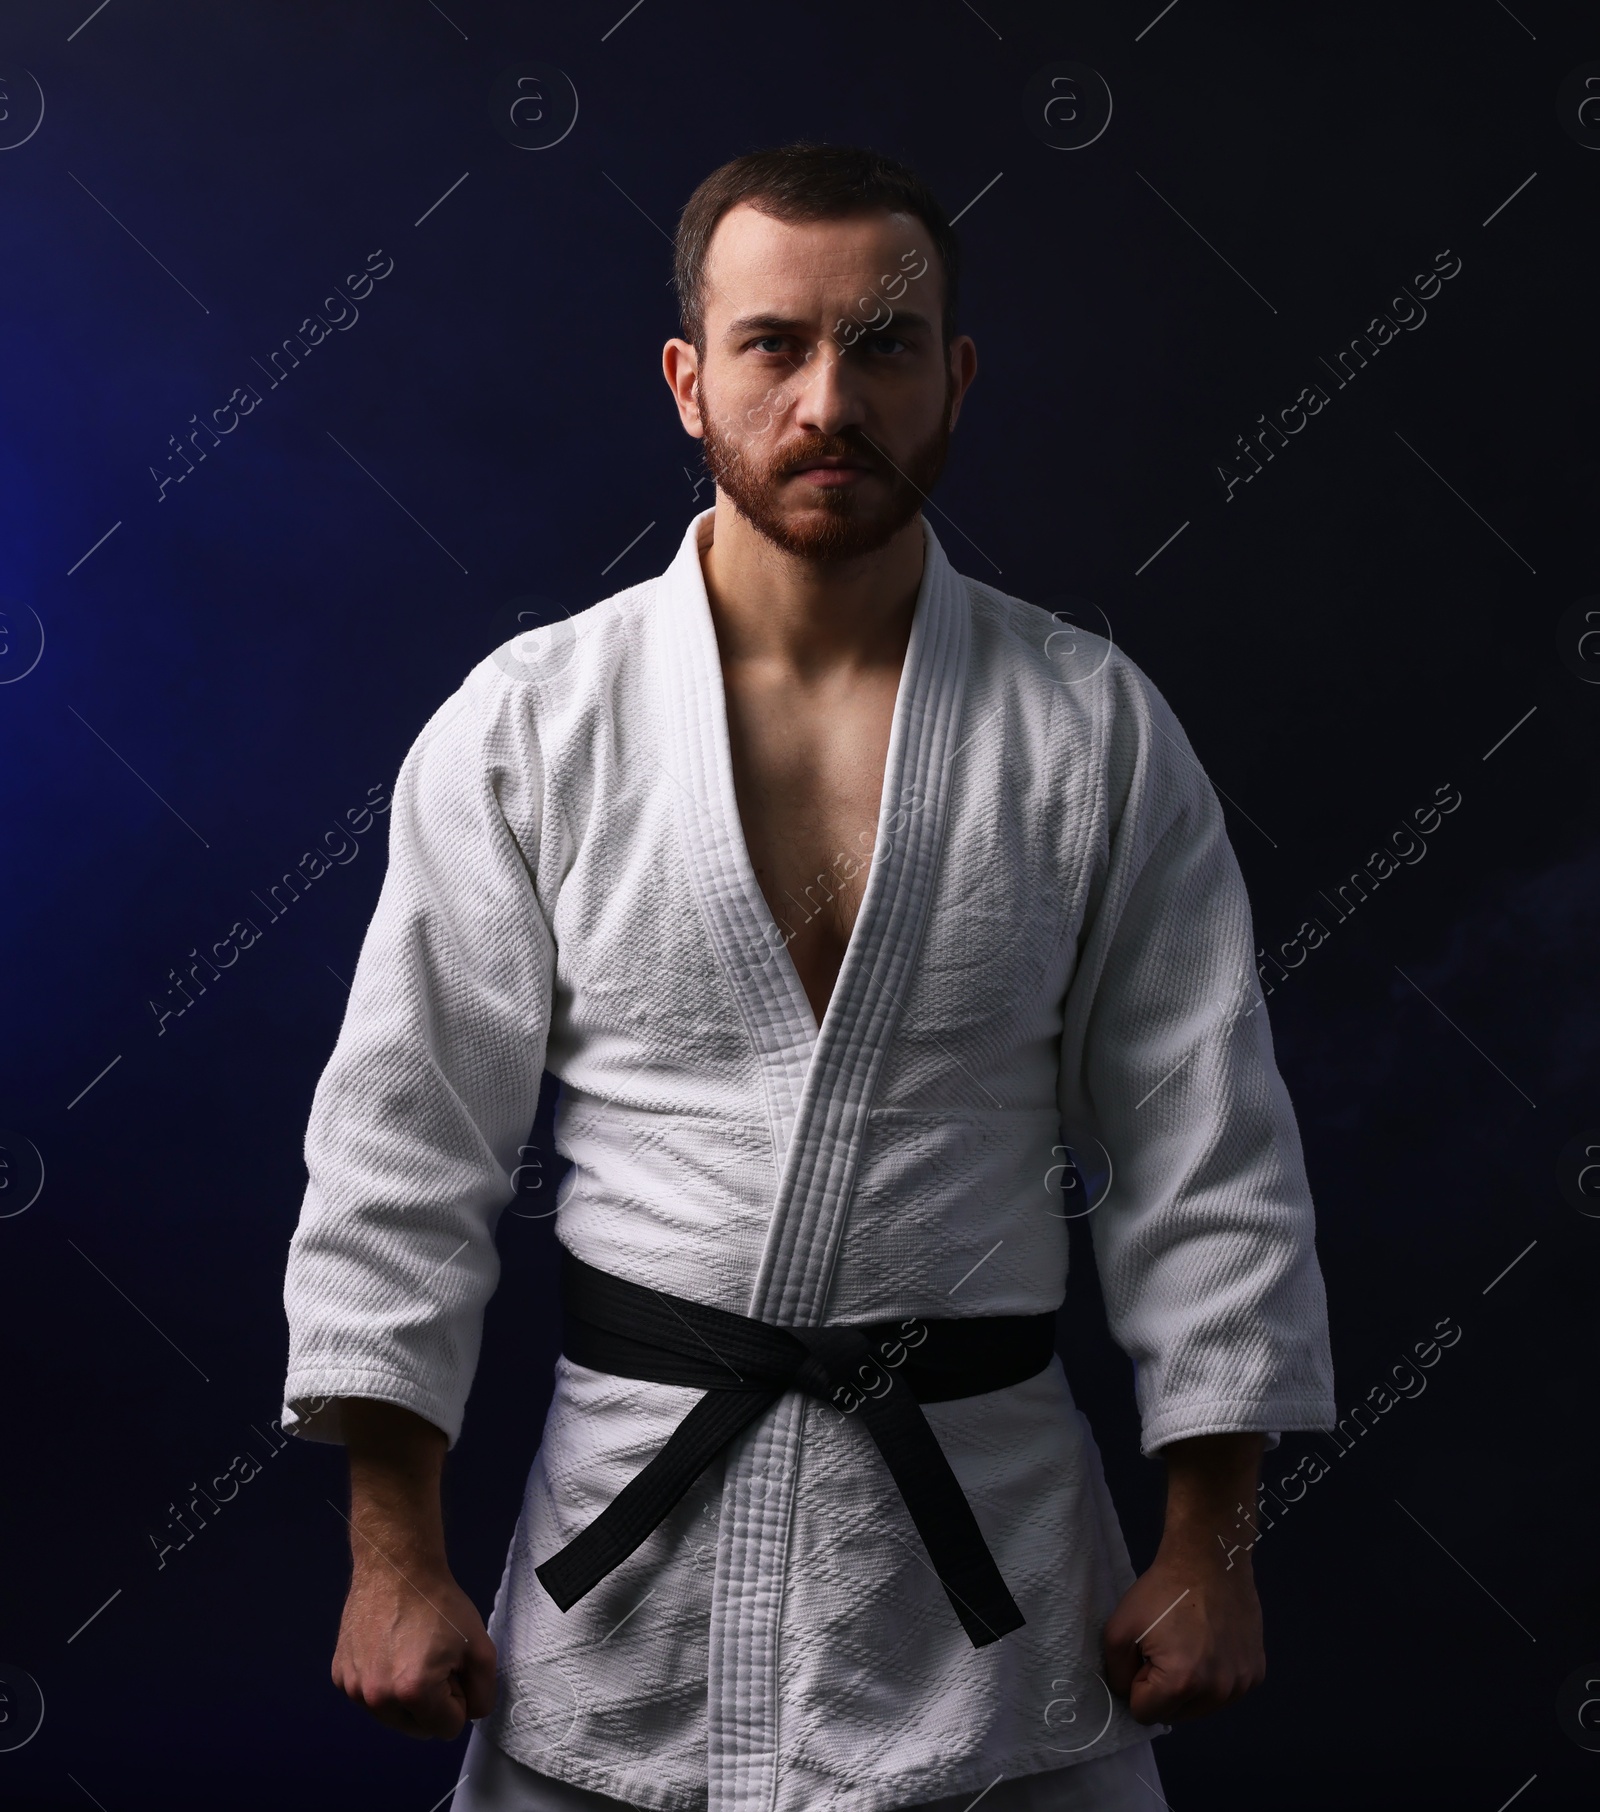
(1186, 1638)
(414, 1652)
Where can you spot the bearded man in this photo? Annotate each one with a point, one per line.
(864, 913)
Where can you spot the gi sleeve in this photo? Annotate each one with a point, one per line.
(418, 1121)
(1205, 1237)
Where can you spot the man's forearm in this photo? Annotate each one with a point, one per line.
(1208, 1478)
(412, 1647)
(1186, 1639)
(396, 1459)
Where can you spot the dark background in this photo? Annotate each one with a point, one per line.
(1373, 617)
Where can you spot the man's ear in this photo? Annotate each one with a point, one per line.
(963, 369)
(680, 367)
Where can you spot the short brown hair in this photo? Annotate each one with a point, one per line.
(805, 181)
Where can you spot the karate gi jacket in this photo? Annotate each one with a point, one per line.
(1053, 951)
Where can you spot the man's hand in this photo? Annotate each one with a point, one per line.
(414, 1651)
(1186, 1638)
(412, 1648)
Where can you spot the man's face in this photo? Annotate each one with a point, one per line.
(823, 342)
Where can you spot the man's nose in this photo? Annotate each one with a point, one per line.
(827, 396)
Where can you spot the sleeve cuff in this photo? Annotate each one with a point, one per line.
(311, 1408)
(1269, 1416)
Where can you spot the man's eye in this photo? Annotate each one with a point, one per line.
(774, 342)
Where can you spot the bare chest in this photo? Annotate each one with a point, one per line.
(808, 774)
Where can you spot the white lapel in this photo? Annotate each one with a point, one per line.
(743, 936)
(819, 1082)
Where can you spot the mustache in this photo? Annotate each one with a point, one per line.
(824, 449)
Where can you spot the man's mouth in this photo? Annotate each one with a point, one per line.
(833, 470)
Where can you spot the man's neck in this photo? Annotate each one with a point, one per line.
(769, 606)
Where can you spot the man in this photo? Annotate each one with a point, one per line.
(844, 895)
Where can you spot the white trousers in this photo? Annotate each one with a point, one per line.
(1126, 1781)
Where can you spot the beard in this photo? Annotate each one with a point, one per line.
(832, 523)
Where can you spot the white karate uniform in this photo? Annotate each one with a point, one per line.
(1053, 948)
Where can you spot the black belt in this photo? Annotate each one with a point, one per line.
(882, 1371)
